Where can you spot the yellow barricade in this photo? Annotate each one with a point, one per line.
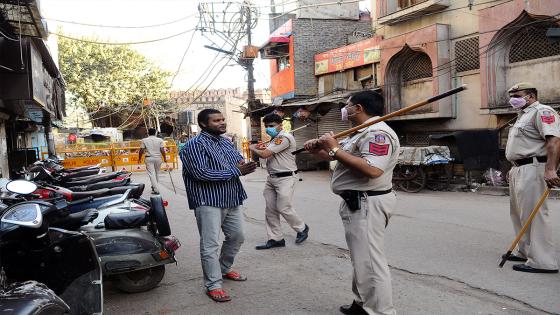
(122, 156)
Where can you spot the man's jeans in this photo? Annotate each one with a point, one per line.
(209, 221)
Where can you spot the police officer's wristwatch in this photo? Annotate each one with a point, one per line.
(332, 152)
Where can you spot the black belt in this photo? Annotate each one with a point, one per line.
(283, 174)
(521, 162)
(363, 193)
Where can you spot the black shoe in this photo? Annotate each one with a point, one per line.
(513, 257)
(525, 268)
(353, 309)
(302, 236)
(272, 244)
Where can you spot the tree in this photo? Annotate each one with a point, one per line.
(109, 80)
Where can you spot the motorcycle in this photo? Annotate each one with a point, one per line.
(44, 269)
(133, 238)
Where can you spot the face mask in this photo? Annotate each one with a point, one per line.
(517, 102)
(344, 112)
(271, 131)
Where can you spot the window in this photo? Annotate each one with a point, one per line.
(467, 54)
(418, 66)
(408, 3)
(283, 63)
(531, 44)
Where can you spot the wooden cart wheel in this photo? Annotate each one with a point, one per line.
(410, 178)
(438, 177)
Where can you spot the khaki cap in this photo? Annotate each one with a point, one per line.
(522, 86)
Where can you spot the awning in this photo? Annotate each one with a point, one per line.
(276, 47)
(340, 97)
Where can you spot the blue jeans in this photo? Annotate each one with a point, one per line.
(209, 221)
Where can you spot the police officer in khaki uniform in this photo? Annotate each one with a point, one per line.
(362, 178)
(154, 148)
(533, 147)
(280, 184)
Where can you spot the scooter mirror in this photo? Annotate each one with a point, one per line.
(21, 187)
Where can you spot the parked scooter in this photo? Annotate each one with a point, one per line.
(43, 269)
(133, 239)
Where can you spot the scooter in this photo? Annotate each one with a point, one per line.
(43, 269)
(133, 239)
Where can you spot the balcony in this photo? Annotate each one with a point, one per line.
(394, 14)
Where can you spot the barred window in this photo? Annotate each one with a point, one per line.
(418, 66)
(467, 54)
(531, 44)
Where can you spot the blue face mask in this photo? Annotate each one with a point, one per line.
(271, 131)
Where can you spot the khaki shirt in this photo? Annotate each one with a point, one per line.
(527, 137)
(283, 160)
(379, 146)
(152, 144)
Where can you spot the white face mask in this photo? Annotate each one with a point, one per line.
(518, 102)
(344, 112)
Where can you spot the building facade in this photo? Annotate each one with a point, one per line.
(431, 46)
(32, 98)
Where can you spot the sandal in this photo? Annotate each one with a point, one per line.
(218, 295)
(235, 276)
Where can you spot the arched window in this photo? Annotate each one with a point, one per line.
(532, 43)
(418, 66)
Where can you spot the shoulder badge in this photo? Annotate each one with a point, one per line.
(379, 139)
(547, 117)
(378, 149)
(278, 141)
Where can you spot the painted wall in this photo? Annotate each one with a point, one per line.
(282, 83)
(340, 11)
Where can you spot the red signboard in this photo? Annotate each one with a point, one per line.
(354, 55)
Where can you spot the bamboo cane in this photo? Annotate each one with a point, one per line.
(394, 114)
(525, 227)
(290, 132)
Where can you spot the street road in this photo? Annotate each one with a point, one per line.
(443, 248)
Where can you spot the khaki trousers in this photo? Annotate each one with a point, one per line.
(365, 233)
(278, 193)
(153, 166)
(525, 188)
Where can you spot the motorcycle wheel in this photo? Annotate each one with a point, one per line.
(140, 280)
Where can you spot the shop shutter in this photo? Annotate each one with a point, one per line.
(332, 122)
(304, 134)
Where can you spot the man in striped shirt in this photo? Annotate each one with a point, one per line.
(211, 171)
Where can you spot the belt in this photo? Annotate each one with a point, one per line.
(529, 160)
(283, 174)
(367, 192)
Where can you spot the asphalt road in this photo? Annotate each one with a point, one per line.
(443, 248)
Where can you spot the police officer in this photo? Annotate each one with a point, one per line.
(280, 184)
(533, 147)
(362, 178)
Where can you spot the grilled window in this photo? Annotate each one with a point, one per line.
(418, 66)
(467, 54)
(531, 44)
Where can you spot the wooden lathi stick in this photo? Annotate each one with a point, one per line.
(393, 114)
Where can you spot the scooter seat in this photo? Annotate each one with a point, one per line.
(74, 220)
(93, 193)
(125, 220)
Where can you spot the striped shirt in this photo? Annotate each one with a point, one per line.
(210, 172)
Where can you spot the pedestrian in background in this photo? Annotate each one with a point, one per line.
(211, 171)
(363, 179)
(280, 183)
(154, 148)
(533, 147)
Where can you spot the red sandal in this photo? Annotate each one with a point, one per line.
(218, 295)
(235, 276)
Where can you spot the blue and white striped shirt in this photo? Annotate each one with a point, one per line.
(210, 172)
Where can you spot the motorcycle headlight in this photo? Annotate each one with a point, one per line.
(28, 215)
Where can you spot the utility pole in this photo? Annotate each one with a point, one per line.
(255, 123)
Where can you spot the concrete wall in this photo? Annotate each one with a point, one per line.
(532, 71)
(337, 11)
(316, 36)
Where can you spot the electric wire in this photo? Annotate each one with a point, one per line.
(122, 26)
(122, 43)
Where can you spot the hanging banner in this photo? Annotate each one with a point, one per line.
(354, 55)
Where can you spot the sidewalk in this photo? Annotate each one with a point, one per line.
(312, 278)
